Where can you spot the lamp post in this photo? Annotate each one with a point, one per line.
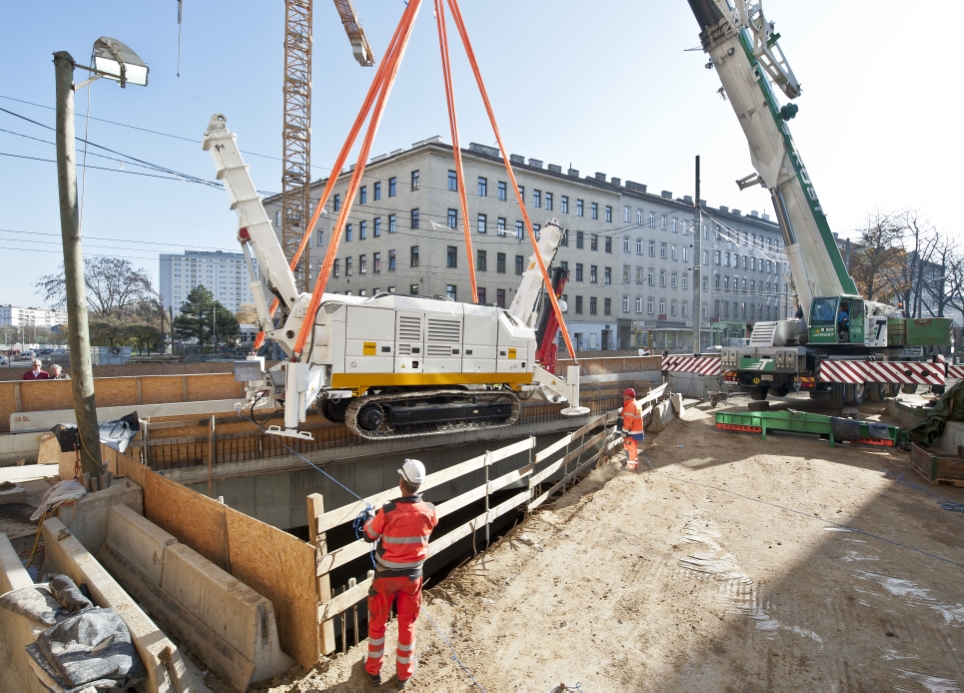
(113, 60)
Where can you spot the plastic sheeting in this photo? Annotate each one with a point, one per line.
(950, 407)
(62, 492)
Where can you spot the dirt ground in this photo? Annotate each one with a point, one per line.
(735, 564)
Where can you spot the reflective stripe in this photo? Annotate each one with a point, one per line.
(405, 648)
(403, 660)
(376, 654)
(398, 566)
(368, 531)
(380, 641)
(404, 540)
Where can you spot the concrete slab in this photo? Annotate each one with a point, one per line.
(18, 446)
(29, 472)
(663, 414)
(17, 494)
(16, 631)
(88, 520)
(65, 554)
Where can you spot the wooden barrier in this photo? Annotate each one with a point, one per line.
(336, 603)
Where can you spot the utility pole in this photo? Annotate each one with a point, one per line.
(160, 349)
(214, 326)
(697, 307)
(82, 376)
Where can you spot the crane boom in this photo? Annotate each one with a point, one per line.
(359, 43)
(743, 48)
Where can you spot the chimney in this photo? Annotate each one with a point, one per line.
(755, 214)
(616, 181)
(688, 199)
(555, 168)
(637, 187)
(535, 163)
(517, 159)
(736, 212)
(724, 209)
(574, 172)
(601, 177)
(667, 194)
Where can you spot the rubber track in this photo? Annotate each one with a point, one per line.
(351, 415)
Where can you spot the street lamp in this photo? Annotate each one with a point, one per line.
(113, 60)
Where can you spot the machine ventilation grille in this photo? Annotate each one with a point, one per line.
(404, 350)
(438, 350)
(445, 331)
(409, 329)
(763, 334)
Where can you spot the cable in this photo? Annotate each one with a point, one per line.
(101, 168)
(800, 512)
(455, 655)
(943, 503)
(113, 240)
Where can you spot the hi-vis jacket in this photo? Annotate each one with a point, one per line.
(633, 419)
(404, 526)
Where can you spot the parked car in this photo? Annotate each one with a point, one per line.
(24, 356)
(3, 360)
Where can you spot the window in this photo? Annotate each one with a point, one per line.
(391, 263)
(335, 269)
(609, 245)
(362, 264)
(347, 232)
(652, 220)
(593, 210)
(685, 280)
(520, 229)
(626, 244)
(579, 208)
(662, 306)
(480, 294)
(320, 239)
(564, 204)
(592, 305)
(579, 304)
(335, 203)
(726, 309)
(672, 308)
(347, 266)
(706, 257)
(717, 255)
(451, 292)
(744, 284)
(480, 261)
(639, 304)
(502, 191)
(682, 309)
(627, 214)
(726, 283)
(537, 198)
(608, 275)
(518, 264)
(650, 307)
(549, 201)
(376, 263)
(662, 222)
(594, 242)
(500, 226)
(706, 231)
(500, 263)
(453, 181)
(522, 193)
(483, 187)
(651, 277)
(392, 186)
(593, 274)
(674, 254)
(362, 230)
(363, 194)
(652, 248)
(580, 240)
(414, 180)
(451, 256)
(413, 289)
(609, 214)
(625, 273)
(672, 280)
(377, 191)
(578, 271)
(686, 253)
(413, 257)
(716, 282)
(662, 251)
(662, 279)
(453, 219)
(675, 225)
(704, 311)
(414, 223)
(377, 227)
(500, 298)
(686, 228)
(535, 229)
(607, 306)
(392, 223)
(639, 274)
(480, 223)
(625, 304)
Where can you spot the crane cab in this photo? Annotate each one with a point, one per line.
(837, 320)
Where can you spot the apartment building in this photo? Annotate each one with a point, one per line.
(16, 316)
(223, 274)
(405, 234)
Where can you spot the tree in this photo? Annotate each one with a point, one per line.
(200, 314)
(877, 258)
(246, 314)
(114, 286)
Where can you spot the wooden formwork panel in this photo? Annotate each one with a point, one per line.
(114, 392)
(214, 386)
(159, 389)
(45, 395)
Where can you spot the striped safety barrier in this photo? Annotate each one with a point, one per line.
(955, 371)
(703, 365)
(902, 372)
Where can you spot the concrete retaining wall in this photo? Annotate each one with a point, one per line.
(88, 520)
(16, 632)
(232, 627)
(166, 669)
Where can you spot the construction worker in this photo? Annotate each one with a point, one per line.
(402, 528)
(632, 429)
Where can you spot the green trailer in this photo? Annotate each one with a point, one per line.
(797, 422)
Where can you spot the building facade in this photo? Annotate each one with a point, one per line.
(15, 316)
(629, 253)
(223, 274)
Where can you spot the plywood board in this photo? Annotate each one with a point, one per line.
(159, 389)
(281, 568)
(116, 392)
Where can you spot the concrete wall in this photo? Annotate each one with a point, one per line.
(88, 518)
(16, 632)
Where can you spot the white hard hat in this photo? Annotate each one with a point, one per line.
(413, 472)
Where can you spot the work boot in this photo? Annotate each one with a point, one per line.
(402, 684)
(374, 679)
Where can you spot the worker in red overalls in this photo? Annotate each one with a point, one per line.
(632, 429)
(402, 528)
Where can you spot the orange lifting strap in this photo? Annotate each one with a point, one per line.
(382, 86)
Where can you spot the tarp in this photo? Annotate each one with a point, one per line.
(950, 407)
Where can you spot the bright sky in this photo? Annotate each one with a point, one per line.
(602, 86)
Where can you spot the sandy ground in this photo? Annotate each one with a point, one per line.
(730, 566)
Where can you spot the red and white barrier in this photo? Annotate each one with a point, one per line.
(955, 371)
(902, 372)
(703, 365)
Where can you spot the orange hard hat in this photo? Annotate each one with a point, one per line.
(629, 392)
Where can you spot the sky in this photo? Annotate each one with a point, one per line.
(609, 86)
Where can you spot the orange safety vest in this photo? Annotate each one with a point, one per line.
(633, 419)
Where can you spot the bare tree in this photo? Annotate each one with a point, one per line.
(919, 241)
(114, 286)
(935, 286)
(877, 257)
